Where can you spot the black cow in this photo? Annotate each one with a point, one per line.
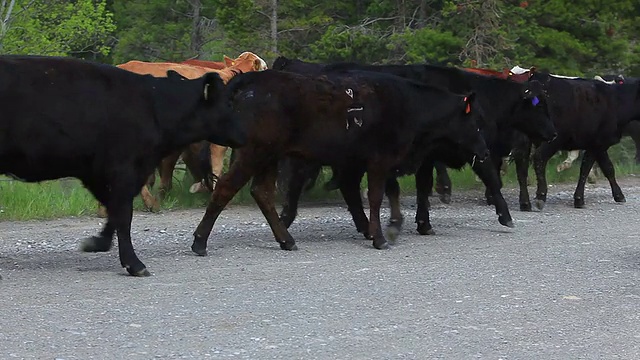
(589, 115)
(108, 127)
(365, 122)
(507, 106)
(633, 128)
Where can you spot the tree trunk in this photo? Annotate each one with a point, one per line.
(196, 33)
(274, 26)
(5, 18)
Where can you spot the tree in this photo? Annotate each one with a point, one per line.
(79, 28)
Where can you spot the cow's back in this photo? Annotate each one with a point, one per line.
(160, 69)
(66, 112)
(582, 110)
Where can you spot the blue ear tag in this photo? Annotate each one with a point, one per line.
(535, 101)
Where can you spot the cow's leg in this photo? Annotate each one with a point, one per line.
(334, 182)
(191, 161)
(350, 188)
(376, 175)
(228, 185)
(122, 188)
(488, 193)
(167, 165)
(217, 160)
(392, 190)
(521, 158)
(151, 181)
(101, 242)
(263, 190)
(424, 182)
(443, 182)
(587, 163)
(104, 240)
(571, 157)
(149, 200)
(609, 172)
(300, 172)
(488, 173)
(540, 159)
(122, 210)
(593, 174)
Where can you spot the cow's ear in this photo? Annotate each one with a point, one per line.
(228, 61)
(213, 86)
(172, 74)
(257, 65)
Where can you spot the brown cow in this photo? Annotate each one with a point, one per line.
(245, 57)
(246, 62)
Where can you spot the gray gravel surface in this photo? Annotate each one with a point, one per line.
(563, 284)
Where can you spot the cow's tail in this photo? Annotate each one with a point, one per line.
(204, 162)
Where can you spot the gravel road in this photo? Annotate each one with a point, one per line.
(563, 284)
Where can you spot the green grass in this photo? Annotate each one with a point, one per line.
(65, 198)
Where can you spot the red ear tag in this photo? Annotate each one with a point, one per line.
(468, 109)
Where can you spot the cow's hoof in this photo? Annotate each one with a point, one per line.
(490, 201)
(445, 198)
(525, 206)
(506, 220)
(381, 245)
(578, 203)
(95, 244)
(155, 207)
(200, 250)
(138, 271)
(423, 229)
(619, 198)
(539, 204)
(392, 234)
(102, 212)
(289, 246)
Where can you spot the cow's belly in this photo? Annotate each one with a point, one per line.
(44, 167)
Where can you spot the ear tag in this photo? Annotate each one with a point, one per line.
(535, 101)
(468, 109)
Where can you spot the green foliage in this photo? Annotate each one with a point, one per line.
(427, 46)
(151, 30)
(358, 44)
(58, 27)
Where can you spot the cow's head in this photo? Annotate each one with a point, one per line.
(214, 113)
(531, 114)
(280, 63)
(519, 74)
(246, 62)
(465, 122)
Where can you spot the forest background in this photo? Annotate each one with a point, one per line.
(573, 38)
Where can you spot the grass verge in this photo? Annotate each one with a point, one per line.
(67, 197)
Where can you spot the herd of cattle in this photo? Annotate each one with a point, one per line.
(112, 126)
